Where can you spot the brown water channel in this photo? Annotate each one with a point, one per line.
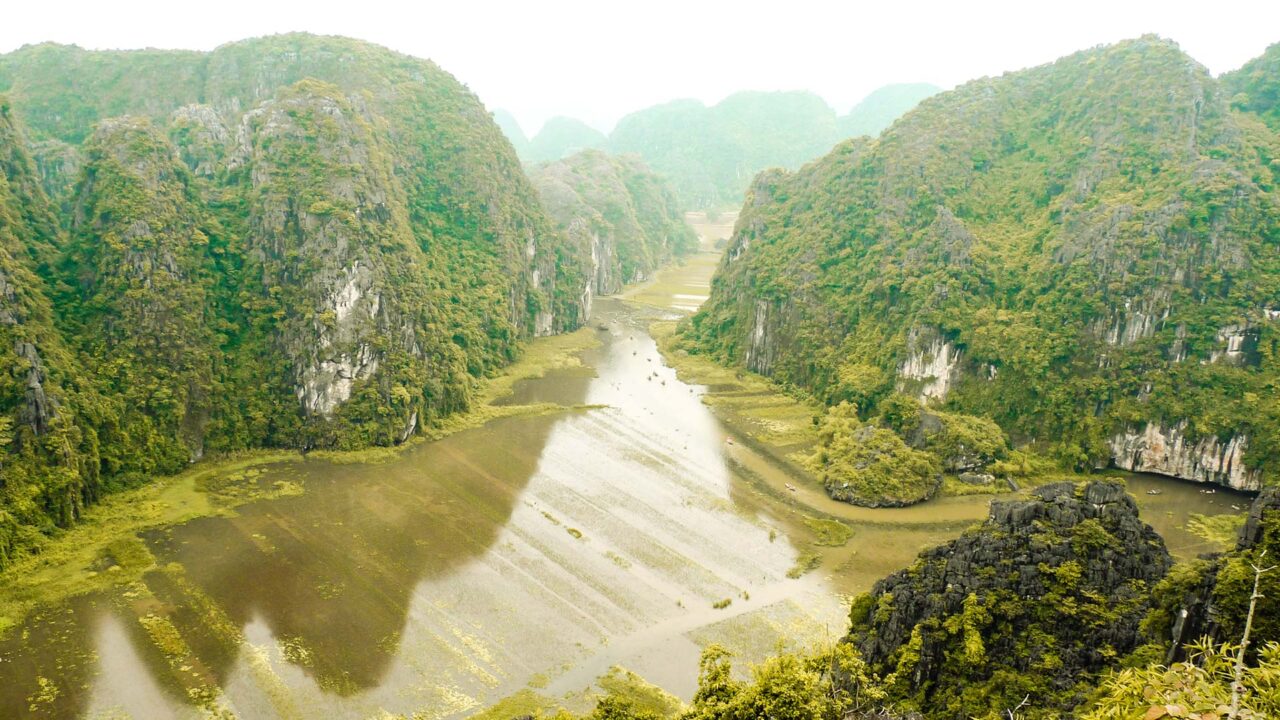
(535, 551)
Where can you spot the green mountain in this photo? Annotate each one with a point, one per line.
(878, 110)
(52, 419)
(710, 154)
(1084, 252)
(291, 241)
(561, 137)
(1256, 86)
(511, 128)
(625, 218)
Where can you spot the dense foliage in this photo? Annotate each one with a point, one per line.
(292, 241)
(622, 216)
(1071, 251)
(1256, 86)
(868, 465)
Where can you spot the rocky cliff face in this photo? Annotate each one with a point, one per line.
(1168, 451)
(48, 449)
(996, 252)
(291, 241)
(342, 211)
(142, 275)
(625, 217)
(1047, 590)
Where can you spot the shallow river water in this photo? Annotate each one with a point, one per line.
(531, 552)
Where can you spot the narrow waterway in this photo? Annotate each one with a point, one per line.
(531, 552)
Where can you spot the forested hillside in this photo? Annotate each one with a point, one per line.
(1083, 252)
(622, 215)
(293, 241)
(877, 111)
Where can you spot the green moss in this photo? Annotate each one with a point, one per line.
(828, 533)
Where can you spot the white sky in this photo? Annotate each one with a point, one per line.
(600, 60)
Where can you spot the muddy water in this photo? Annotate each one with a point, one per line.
(532, 552)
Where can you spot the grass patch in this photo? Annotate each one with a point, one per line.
(1221, 530)
(647, 697)
(955, 487)
(722, 604)
(524, 702)
(806, 562)
(828, 533)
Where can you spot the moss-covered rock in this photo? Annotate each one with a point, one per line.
(1036, 601)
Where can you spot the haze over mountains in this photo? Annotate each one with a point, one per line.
(710, 154)
(996, 304)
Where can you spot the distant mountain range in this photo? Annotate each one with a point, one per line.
(710, 154)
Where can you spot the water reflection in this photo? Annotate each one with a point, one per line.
(537, 549)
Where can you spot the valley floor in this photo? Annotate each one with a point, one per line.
(603, 506)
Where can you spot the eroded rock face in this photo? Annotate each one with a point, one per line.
(624, 217)
(1033, 581)
(321, 231)
(932, 365)
(1166, 450)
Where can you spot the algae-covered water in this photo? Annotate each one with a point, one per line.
(532, 552)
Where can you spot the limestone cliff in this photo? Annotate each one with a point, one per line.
(141, 272)
(49, 457)
(1065, 250)
(625, 217)
(1037, 599)
(293, 241)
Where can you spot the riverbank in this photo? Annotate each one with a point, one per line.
(104, 550)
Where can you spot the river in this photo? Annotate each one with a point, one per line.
(533, 552)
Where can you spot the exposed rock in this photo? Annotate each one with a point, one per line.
(931, 366)
(620, 213)
(341, 322)
(1168, 451)
(201, 136)
(1028, 589)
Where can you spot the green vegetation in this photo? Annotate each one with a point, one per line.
(1075, 255)
(867, 465)
(1255, 87)
(1198, 688)
(331, 252)
(617, 213)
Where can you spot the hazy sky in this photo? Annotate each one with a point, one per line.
(600, 60)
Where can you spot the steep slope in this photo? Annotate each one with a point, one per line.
(878, 110)
(1084, 252)
(561, 137)
(139, 276)
(1256, 86)
(710, 154)
(511, 128)
(1035, 602)
(48, 445)
(624, 215)
(290, 241)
